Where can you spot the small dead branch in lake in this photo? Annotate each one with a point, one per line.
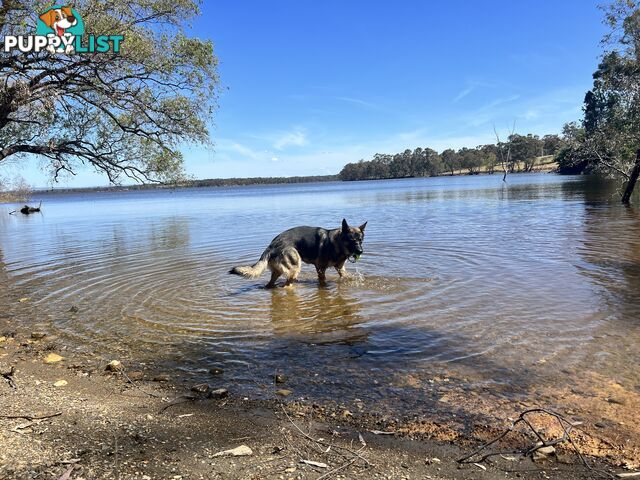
(8, 376)
(27, 210)
(541, 445)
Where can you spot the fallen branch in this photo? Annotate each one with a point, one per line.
(33, 417)
(566, 426)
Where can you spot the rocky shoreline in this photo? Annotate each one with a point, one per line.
(69, 415)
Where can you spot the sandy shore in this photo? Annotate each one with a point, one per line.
(63, 413)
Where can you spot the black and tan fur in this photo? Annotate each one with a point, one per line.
(315, 245)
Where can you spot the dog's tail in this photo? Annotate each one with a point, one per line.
(255, 270)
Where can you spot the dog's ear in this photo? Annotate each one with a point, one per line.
(67, 10)
(48, 18)
(345, 226)
(362, 227)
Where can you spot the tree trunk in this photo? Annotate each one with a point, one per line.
(633, 178)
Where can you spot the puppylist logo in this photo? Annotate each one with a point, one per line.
(60, 29)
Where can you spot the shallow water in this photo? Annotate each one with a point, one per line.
(498, 285)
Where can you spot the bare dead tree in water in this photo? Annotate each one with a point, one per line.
(504, 159)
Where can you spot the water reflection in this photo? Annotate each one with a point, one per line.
(317, 314)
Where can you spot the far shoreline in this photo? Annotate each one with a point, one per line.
(266, 181)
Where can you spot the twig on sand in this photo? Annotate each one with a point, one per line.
(341, 467)
(566, 426)
(33, 417)
(151, 394)
(8, 376)
(177, 401)
(355, 453)
(67, 474)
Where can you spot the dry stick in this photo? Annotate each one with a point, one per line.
(353, 452)
(32, 417)
(185, 398)
(139, 387)
(341, 467)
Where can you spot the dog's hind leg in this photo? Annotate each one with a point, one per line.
(293, 262)
(275, 274)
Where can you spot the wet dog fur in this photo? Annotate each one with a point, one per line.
(313, 245)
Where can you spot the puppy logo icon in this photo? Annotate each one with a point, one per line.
(60, 30)
(62, 22)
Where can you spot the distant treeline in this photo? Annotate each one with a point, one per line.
(209, 182)
(518, 153)
(223, 182)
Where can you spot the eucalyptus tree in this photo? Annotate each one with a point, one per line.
(612, 107)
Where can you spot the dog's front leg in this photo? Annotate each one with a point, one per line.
(322, 277)
(342, 271)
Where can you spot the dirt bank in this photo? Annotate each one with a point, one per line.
(63, 413)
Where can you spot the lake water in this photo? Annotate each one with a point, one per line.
(497, 286)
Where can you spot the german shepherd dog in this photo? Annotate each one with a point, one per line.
(317, 246)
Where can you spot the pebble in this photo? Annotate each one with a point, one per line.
(52, 358)
(280, 378)
(114, 366)
(240, 451)
(219, 393)
(38, 335)
(163, 377)
(135, 376)
(60, 383)
(216, 371)
(283, 392)
(201, 388)
(433, 461)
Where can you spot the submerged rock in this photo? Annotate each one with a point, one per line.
(216, 371)
(283, 392)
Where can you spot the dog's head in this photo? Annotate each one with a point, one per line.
(352, 238)
(59, 19)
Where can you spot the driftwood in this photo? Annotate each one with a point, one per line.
(27, 210)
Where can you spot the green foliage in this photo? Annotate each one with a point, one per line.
(125, 114)
(608, 139)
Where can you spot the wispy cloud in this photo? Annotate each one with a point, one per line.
(463, 93)
(280, 140)
(296, 138)
(234, 147)
(356, 101)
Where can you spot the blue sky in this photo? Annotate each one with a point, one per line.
(309, 86)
